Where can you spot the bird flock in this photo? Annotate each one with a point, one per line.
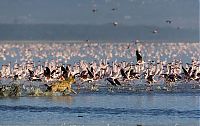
(68, 68)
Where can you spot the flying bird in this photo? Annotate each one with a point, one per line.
(123, 74)
(113, 81)
(168, 21)
(187, 75)
(155, 31)
(90, 72)
(94, 10)
(114, 9)
(115, 23)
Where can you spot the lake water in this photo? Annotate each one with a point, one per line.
(174, 109)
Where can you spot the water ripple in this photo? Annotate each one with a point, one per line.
(99, 110)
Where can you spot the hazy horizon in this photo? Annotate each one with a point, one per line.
(94, 32)
(93, 19)
(182, 13)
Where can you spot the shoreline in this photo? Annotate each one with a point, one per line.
(90, 41)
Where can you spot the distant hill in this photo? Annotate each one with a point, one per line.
(94, 32)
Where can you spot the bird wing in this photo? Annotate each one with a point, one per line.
(31, 73)
(111, 81)
(117, 82)
(185, 71)
(138, 56)
(123, 73)
(90, 73)
(47, 72)
(190, 70)
(63, 69)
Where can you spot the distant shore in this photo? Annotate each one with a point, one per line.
(91, 41)
(57, 32)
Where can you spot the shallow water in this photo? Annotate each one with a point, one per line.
(103, 109)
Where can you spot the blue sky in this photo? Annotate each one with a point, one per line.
(183, 13)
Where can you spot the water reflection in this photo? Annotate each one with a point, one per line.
(63, 99)
(150, 99)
